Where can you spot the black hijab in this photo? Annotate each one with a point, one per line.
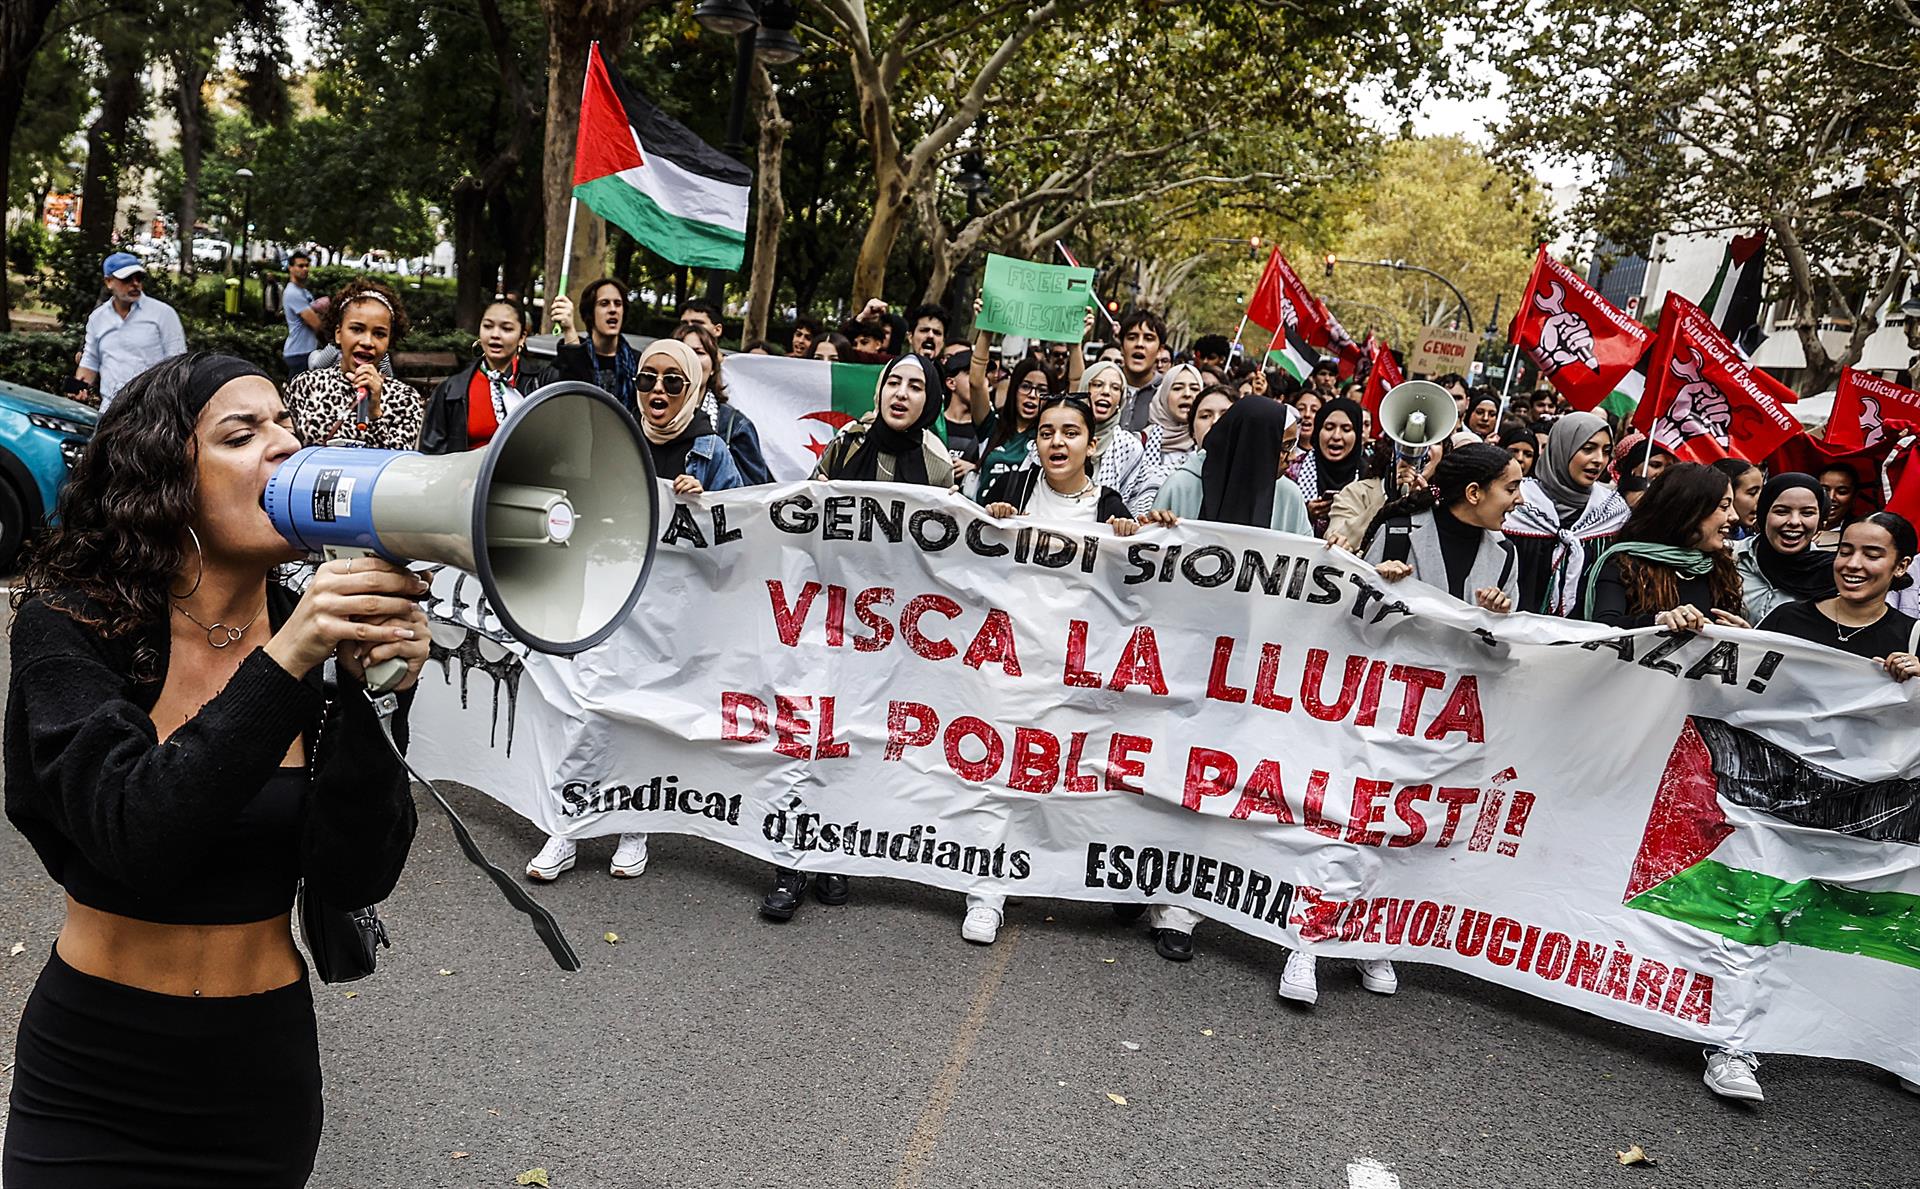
(910, 464)
(670, 457)
(1807, 574)
(1245, 458)
(1332, 476)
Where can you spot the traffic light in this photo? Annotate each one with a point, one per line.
(1253, 246)
(1331, 261)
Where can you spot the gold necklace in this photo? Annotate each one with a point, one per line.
(219, 635)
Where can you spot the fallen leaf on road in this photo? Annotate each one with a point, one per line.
(1206, 1032)
(533, 1176)
(1060, 1083)
(1634, 1155)
(353, 994)
(1129, 1046)
(445, 972)
(457, 1156)
(1117, 1100)
(19, 947)
(494, 1113)
(1109, 961)
(610, 938)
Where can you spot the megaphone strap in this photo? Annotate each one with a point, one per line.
(543, 921)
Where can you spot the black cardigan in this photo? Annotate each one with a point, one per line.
(443, 428)
(1017, 488)
(87, 775)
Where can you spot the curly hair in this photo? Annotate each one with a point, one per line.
(1677, 500)
(118, 543)
(366, 289)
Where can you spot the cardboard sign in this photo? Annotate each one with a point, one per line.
(1034, 300)
(1439, 351)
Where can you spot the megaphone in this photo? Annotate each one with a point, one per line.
(556, 516)
(1417, 414)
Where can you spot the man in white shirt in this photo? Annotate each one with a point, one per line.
(129, 333)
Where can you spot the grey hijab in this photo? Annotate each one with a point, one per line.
(1568, 435)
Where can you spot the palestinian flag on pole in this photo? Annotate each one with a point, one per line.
(1749, 841)
(1733, 300)
(798, 405)
(644, 172)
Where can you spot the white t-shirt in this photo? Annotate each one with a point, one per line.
(1048, 504)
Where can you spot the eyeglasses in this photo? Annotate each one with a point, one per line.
(1033, 390)
(671, 383)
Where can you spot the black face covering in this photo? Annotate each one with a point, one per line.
(1807, 574)
(1245, 449)
(910, 464)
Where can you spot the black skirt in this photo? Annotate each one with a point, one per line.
(116, 1086)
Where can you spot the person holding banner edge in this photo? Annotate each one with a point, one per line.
(1448, 534)
(1567, 515)
(1672, 565)
(1779, 564)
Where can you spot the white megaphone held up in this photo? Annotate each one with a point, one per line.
(556, 516)
(1417, 414)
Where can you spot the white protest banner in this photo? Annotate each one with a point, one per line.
(1713, 836)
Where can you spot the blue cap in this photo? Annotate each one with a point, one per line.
(122, 265)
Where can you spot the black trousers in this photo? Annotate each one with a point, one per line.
(118, 1087)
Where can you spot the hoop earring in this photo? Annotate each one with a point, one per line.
(201, 572)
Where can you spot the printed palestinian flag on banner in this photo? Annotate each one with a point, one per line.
(1703, 402)
(1583, 345)
(1864, 406)
(1382, 375)
(644, 172)
(1749, 841)
(798, 405)
(1274, 310)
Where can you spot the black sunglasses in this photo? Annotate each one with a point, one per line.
(1079, 400)
(671, 383)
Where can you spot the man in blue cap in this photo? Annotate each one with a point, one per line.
(128, 333)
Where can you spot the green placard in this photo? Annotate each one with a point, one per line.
(1039, 301)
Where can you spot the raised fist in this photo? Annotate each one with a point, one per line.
(1699, 410)
(1565, 340)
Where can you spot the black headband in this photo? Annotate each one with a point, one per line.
(210, 373)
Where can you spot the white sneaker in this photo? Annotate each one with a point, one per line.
(1297, 981)
(1730, 1075)
(981, 926)
(556, 856)
(630, 857)
(1376, 975)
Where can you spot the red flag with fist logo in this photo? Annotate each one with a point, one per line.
(1702, 401)
(1864, 406)
(1382, 376)
(1580, 341)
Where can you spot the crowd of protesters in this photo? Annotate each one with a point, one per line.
(161, 680)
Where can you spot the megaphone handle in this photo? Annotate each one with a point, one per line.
(543, 921)
(382, 677)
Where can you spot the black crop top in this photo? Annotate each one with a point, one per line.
(255, 863)
(205, 828)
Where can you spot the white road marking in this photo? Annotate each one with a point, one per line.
(1371, 1174)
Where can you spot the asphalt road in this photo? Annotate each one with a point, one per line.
(869, 1046)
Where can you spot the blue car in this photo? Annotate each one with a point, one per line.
(41, 437)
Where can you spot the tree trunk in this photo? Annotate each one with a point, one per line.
(473, 272)
(107, 140)
(771, 206)
(190, 76)
(22, 25)
(891, 202)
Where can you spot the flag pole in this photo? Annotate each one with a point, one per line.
(1513, 358)
(1244, 315)
(566, 253)
(1097, 303)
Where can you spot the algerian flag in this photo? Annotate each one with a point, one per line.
(1751, 842)
(798, 405)
(639, 169)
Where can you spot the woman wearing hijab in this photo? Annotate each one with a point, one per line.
(1518, 439)
(468, 408)
(1336, 459)
(893, 444)
(1117, 452)
(1778, 564)
(1566, 515)
(735, 428)
(1166, 441)
(1671, 565)
(690, 456)
(1252, 439)
(1448, 534)
(1483, 416)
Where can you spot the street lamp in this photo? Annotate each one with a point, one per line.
(1466, 314)
(246, 225)
(973, 181)
(760, 28)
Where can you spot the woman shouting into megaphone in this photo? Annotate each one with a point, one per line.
(173, 757)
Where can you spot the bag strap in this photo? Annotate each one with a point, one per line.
(543, 923)
(1506, 567)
